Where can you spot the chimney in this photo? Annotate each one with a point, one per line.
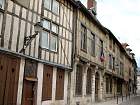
(92, 6)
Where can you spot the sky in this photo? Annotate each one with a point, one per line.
(122, 17)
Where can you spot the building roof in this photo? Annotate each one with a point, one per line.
(81, 7)
(118, 43)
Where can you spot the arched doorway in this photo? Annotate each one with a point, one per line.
(97, 85)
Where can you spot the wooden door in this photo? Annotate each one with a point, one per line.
(28, 92)
(9, 75)
(29, 83)
(47, 83)
(60, 84)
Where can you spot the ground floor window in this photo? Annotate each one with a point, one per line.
(108, 85)
(89, 82)
(79, 79)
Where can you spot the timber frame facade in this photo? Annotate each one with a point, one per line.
(39, 75)
(69, 62)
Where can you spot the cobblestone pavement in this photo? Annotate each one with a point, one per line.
(133, 100)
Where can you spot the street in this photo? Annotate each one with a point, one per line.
(132, 101)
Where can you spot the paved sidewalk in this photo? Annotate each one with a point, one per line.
(114, 101)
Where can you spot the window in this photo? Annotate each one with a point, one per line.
(47, 83)
(53, 43)
(47, 4)
(83, 38)
(110, 61)
(89, 85)
(101, 51)
(49, 36)
(113, 63)
(108, 85)
(55, 7)
(101, 46)
(45, 40)
(121, 68)
(79, 79)
(1, 3)
(46, 24)
(60, 84)
(113, 46)
(52, 5)
(110, 43)
(30, 69)
(54, 28)
(121, 54)
(92, 44)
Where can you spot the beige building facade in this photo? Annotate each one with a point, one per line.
(56, 52)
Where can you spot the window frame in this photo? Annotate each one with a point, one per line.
(110, 61)
(89, 82)
(110, 43)
(83, 38)
(50, 34)
(58, 7)
(51, 8)
(101, 47)
(78, 83)
(113, 62)
(92, 44)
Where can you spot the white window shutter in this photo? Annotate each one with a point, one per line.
(24, 3)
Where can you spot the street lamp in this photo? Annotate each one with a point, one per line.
(27, 40)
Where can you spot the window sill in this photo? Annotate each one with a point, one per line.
(88, 95)
(84, 50)
(48, 50)
(78, 95)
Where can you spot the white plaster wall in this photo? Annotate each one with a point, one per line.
(20, 82)
(40, 81)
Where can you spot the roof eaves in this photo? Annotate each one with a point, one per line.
(118, 43)
(86, 11)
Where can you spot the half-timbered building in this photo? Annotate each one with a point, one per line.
(56, 52)
(89, 57)
(34, 64)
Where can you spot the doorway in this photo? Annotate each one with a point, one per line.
(29, 83)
